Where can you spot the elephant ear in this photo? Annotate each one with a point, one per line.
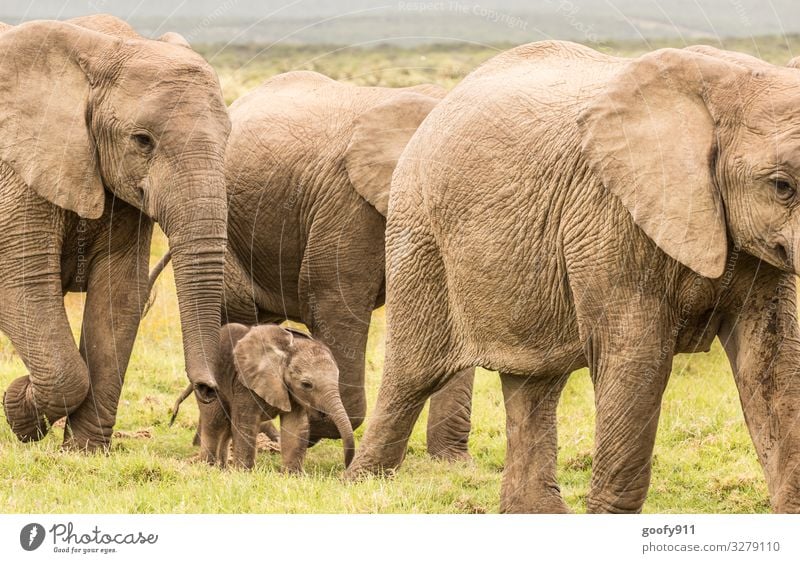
(44, 134)
(175, 39)
(730, 56)
(108, 24)
(650, 136)
(381, 133)
(432, 90)
(261, 358)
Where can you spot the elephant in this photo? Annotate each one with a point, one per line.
(263, 372)
(267, 427)
(563, 209)
(308, 169)
(104, 132)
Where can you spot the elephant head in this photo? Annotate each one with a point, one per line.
(702, 147)
(380, 136)
(290, 370)
(83, 113)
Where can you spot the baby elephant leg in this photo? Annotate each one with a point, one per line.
(294, 439)
(246, 421)
(268, 428)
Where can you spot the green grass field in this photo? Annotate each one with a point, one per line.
(704, 460)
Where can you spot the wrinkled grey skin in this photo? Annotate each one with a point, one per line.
(309, 167)
(613, 213)
(264, 372)
(103, 133)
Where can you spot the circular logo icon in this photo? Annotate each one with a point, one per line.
(31, 536)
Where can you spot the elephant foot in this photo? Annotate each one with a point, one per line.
(360, 472)
(546, 501)
(451, 455)
(27, 422)
(85, 445)
(448, 450)
(544, 506)
(78, 439)
(613, 502)
(366, 464)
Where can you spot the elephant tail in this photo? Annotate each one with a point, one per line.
(151, 282)
(186, 392)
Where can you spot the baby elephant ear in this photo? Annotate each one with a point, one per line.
(261, 358)
(381, 134)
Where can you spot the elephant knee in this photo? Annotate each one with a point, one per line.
(26, 420)
(32, 404)
(72, 390)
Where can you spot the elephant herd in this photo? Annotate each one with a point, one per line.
(558, 209)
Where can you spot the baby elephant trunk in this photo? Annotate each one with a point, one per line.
(335, 410)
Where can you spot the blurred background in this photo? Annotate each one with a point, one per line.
(430, 21)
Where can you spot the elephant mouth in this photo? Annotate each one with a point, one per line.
(782, 253)
(205, 392)
(319, 416)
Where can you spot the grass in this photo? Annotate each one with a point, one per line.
(704, 460)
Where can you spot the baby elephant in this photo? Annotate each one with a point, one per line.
(268, 371)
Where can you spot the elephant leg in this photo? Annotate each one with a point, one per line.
(223, 445)
(629, 381)
(340, 280)
(341, 321)
(529, 478)
(117, 290)
(215, 431)
(422, 352)
(245, 422)
(268, 428)
(34, 319)
(347, 341)
(449, 418)
(294, 439)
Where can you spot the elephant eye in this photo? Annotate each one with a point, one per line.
(784, 189)
(307, 385)
(144, 141)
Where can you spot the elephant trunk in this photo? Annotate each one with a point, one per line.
(333, 407)
(195, 225)
(783, 462)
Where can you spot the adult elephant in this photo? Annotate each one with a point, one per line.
(308, 167)
(103, 132)
(563, 208)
